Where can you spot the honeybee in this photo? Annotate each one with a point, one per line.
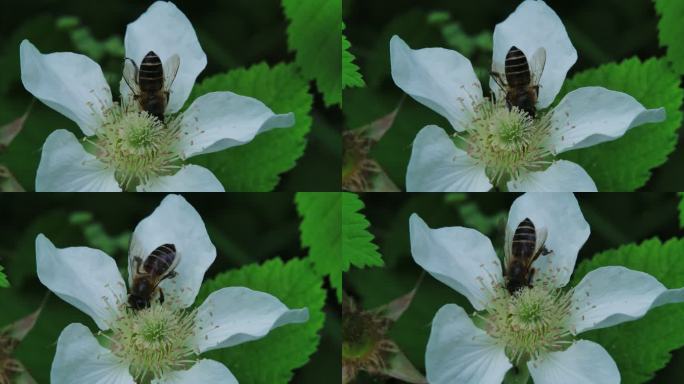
(147, 275)
(151, 83)
(522, 250)
(520, 82)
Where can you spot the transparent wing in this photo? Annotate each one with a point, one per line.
(508, 244)
(542, 233)
(537, 65)
(134, 250)
(170, 71)
(130, 75)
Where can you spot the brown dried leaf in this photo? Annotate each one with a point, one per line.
(8, 183)
(9, 131)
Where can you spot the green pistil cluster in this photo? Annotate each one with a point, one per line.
(506, 141)
(154, 341)
(137, 146)
(531, 322)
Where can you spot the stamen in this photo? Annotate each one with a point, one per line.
(136, 145)
(507, 142)
(154, 341)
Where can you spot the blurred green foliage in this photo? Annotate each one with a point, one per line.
(235, 34)
(616, 219)
(247, 229)
(602, 32)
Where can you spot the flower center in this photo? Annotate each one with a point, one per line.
(136, 145)
(507, 142)
(530, 322)
(154, 341)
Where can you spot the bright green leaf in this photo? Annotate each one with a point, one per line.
(671, 30)
(357, 243)
(320, 232)
(314, 34)
(256, 166)
(273, 358)
(642, 347)
(350, 71)
(3, 279)
(626, 163)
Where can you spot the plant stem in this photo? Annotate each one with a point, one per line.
(517, 375)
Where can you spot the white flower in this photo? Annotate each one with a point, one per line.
(126, 147)
(536, 327)
(162, 342)
(498, 147)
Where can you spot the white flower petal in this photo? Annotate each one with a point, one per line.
(175, 222)
(166, 31)
(560, 215)
(71, 84)
(65, 166)
(84, 277)
(462, 258)
(204, 371)
(584, 362)
(612, 295)
(561, 176)
(459, 352)
(593, 115)
(190, 178)
(81, 360)
(534, 25)
(234, 315)
(437, 165)
(441, 79)
(220, 120)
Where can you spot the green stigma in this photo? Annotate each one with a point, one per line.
(507, 142)
(154, 341)
(137, 146)
(530, 322)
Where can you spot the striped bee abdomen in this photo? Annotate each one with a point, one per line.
(160, 260)
(517, 69)
(524, 239)
(151, 73)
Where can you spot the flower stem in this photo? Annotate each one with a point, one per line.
(517, 375)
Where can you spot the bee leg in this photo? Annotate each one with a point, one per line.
(161, 296)
(545, 251)
(169, 275)
(529, 279)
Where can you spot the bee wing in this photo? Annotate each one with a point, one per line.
(130, 75)
(508, 244)
(134, 250)
(171, 70)
(497, 77)
(537, 65)
(542, 233)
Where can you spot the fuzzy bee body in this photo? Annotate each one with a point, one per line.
(147, 275)
(520, 81)
(151, 82)
(526, 245)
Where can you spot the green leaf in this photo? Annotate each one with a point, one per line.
(256, 166)
(642, 347)
(314, 33)
(350, 71)
(3, 279)
(681, 209)
(357, 243)
(273, 358)
(671, 30)
(320, 232)
(626, 163)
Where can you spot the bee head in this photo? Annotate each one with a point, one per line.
(137, 302)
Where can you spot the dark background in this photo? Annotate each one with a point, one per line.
(615, 219)
(245, 228)
(233, 34)
(601, 31)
